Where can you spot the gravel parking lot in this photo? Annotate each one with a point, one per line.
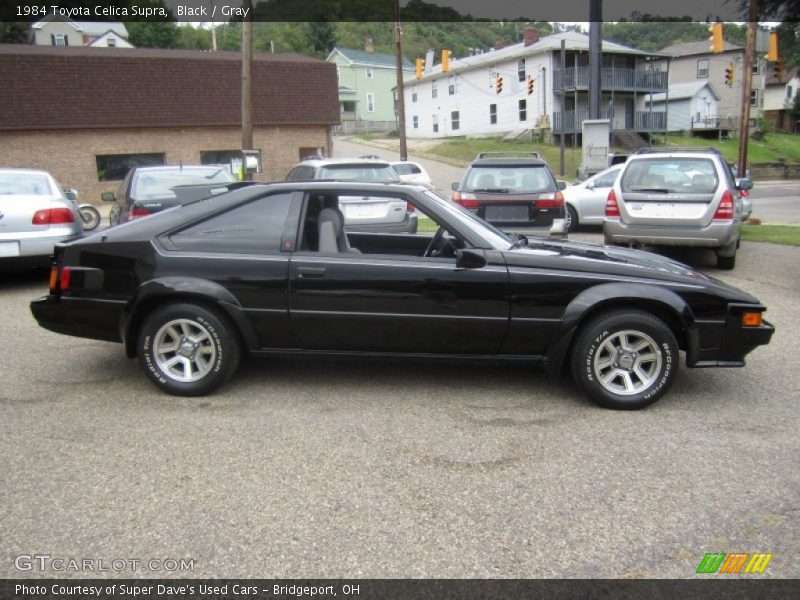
(347, 469)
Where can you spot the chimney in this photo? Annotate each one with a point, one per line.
(369, 46)
(499, 44)
(531, 36)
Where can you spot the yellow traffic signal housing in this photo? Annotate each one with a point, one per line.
(772, 55)
(446, 56)
(716, 38)
(498, 84)
(729, 75)
(420, 67)
(530, 85)
(778, 69)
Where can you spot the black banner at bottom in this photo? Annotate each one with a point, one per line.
(391, 589)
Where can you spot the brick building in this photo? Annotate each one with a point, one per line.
(88, 114)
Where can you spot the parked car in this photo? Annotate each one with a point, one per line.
(148, 190)
(35, 214)
(514, 191)
(585, 202)
(412, 172)
(270, 270)
(361, 213)
(675, 197)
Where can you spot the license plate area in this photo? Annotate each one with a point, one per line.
(8, 249)
(507, 212)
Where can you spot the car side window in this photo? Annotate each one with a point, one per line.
(607, 180)
(252, 228)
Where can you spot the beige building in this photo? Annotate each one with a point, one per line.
(87, 115)
(55, 30)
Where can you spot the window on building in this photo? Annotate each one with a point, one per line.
(435, 122)
(252, 228)
(338, 73)
(753, 97)
(789, 93)
(523, 110)
(348, 106)
(368, 73)
(219, 157)
(415, 121)
(114, 167)
(434, 90)
(452, 86)
(370, 102)
(455, 120)
(521, 69)
(493, 114)
(756, 67)
(111, 42)
(702, 69)
(414, 94)
(59, 39)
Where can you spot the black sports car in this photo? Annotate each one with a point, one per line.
(268, 269)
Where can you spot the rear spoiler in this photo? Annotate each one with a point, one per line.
(186, 194)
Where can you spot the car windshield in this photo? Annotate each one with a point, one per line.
(24, 184)
(494, 237)
(523, 179)
(380, 173)
(671, 175)
(152, 184)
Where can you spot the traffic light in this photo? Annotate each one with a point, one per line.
(530, 85)
(420, 67)
(716, 37)
(777, 69)
(498, 84)
(446, 56)
(772, 55)
(729, 75)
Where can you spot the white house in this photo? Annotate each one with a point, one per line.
(466, 101)
(779, 96)
(691, 106)
(55, 30)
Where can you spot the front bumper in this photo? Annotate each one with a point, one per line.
(715, 235)
(725, 343)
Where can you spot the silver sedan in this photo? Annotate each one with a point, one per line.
(35, 214)
(585, 202)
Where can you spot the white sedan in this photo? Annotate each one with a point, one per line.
(411, 172)
(585, 202)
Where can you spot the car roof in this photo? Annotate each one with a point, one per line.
(177, 167)
(509, 162)
(322, 162)
(25, 171)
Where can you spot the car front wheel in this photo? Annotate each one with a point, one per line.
(187, 349)
(625, 359)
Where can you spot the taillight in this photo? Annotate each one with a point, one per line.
(612, 209)
(59, 278)
(550, 201)
(725, 208)
(138, 211)
(53, 279)
(52, 216)
(466, 200)
(63, 281)
(409, 207)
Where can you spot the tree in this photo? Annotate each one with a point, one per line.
(323, 37)
(14, 32)
(153, 34)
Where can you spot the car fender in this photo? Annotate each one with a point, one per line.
(183, 288)
(608, 296)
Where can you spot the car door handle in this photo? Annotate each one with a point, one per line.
(309, 272)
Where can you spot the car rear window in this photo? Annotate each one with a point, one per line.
(515, 179)
(406, 169)
(150, 185)
(373, 173)
(12, 184)
(671, 175)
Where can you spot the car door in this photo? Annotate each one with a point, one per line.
(393, 303)
(595, 194)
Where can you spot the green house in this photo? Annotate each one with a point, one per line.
(366, 82)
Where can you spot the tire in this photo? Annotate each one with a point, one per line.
(90, 217)
(614, 345)
(570, 218)
(187, 349)
(726, 262)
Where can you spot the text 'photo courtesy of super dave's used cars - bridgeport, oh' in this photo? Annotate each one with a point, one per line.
(270, 270)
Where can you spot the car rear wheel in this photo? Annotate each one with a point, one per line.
(570, 219)
(187, 349)
(625, 359)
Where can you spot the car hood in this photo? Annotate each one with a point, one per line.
(617, 261)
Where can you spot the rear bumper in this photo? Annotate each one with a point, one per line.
(40, 245)
(715, 235)
(80, 317)
(408, 225)
(724, 343)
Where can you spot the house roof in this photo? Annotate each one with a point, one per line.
(48, 87)
(692, 48)
(680, 91)
(574, 41)
(90, 28)
(369, 59)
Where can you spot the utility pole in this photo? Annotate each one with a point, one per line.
(401, 101)
(247, 92)
(747, 86)
(595, 33)
(561, 141)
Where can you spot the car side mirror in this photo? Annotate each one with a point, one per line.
(562, 185)
(454, 186)
(108, 197)
(467, 258)
(744, 184)
(71, 194)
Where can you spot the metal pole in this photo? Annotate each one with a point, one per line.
(595, 31)
(563, 106)
(247, 92)
(747, 86)
(401, 101)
